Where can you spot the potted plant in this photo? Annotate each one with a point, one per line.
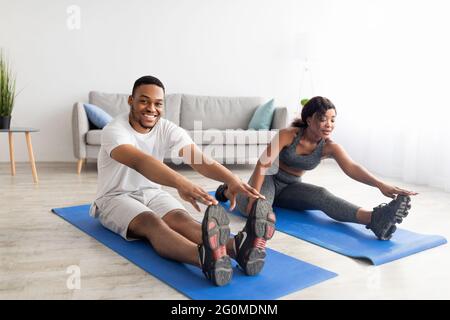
(303, 102)
(7, 92)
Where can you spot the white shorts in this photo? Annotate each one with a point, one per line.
(116, 212)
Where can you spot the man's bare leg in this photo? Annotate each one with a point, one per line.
(183, 223)
(180, 221)
(167, 242)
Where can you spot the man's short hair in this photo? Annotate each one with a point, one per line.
(147, 80)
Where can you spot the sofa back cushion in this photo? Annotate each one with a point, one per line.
(217, 112)
(97, 116)
(262, 118)
(116, 103)
(172, 106)
(113, 103)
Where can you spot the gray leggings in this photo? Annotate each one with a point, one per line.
(287, 191)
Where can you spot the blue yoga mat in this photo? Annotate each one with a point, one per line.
(281, 275)
(350, 239)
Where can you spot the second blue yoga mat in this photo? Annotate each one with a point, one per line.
(281, 275)
(350, 239)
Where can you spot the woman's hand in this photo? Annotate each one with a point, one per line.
(392, 191)
(237, 186)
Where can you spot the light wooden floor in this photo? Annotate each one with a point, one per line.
(36, 247)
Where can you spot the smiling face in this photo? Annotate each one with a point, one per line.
(322, 125)
(146, 104)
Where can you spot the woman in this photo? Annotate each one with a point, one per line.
(301, 147)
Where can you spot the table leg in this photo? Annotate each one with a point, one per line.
(30, 154)
(11, 153)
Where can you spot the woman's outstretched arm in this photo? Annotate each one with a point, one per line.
(361, 174)
(283, 138)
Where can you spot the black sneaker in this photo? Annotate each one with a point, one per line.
(385, 216)
(220, 193)
(251, 241)
(216, 264)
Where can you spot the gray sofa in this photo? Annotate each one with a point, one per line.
(219, 125)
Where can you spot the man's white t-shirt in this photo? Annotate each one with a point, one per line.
(115, 178)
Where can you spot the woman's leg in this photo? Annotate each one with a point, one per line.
(382, 220)
(267, 190)
(305, 196)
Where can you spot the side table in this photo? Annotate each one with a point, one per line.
(27, 131)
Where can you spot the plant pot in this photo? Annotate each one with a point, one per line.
(5, 122)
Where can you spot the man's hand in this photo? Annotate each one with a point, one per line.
(193, 194)
(237, 186)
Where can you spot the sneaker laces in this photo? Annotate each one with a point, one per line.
(380, 206)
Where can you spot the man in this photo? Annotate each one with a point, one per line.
(130, 200)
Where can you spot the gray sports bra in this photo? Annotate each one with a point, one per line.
(288, 155)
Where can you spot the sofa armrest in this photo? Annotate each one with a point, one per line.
(80, 127)
(280, 118)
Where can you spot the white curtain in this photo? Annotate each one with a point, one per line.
(386, 66)
(416, 152)
(396, 123)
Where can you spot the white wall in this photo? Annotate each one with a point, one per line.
(383, 63)
(196, 46)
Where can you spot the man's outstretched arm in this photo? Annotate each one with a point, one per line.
(160, 173)
(210, 168)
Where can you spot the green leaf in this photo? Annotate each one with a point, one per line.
(7, 87)
(304, 101)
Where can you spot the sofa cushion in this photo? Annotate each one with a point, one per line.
(280, 118)
(172, 105)
(231, 137)
(225, 154)
(217, 112)
(210, 137)
(96, 115)
(115, 104)
(262, 118)
(94, 137)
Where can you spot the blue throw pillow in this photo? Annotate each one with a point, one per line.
(262, 118)
(97, 116)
